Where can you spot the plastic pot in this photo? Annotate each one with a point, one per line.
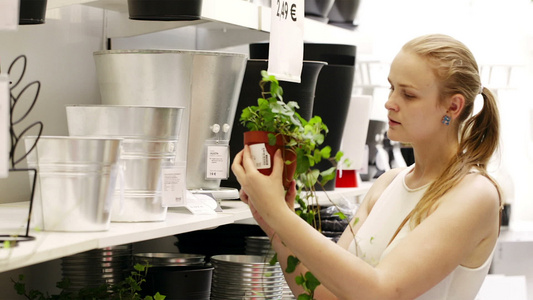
(32, 12)
(263, 154)
(165, 10)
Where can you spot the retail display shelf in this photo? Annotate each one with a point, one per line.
(52, 245)
(223, 15)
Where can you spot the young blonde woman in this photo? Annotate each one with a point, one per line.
(427, 231)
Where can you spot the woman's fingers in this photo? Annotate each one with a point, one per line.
(277, 169)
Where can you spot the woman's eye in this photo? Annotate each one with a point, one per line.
(408, 96)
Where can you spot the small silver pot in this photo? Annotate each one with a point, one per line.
(76, 181)
(150, 137)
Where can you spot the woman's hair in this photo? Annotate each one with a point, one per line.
(456, 69)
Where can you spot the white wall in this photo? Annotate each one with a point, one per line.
(498, 33)
(59, 55)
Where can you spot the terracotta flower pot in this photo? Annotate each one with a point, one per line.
(264, 154)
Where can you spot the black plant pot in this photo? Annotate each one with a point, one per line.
(303, 93)
(343, 12)
(179, 282)
(32, 12)
(333, 90)
(165, 10)
(333, 54)
(318, 9)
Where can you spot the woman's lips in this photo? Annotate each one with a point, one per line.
(393, 122)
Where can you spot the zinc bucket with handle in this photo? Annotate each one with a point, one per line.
(76, 181)
(150, 137)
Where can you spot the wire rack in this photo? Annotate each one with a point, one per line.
(15, 126)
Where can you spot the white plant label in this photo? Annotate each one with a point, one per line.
(173, 186)
(9, 15)
(260, 156)
(217, 162)
(197, 204)
(285, 58)
(4, 125)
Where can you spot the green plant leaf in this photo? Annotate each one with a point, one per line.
(273, 260)
(300, 280)
(311, 282)
(292, 263)
(271, 139)
(328, 175)
(341, 215)
(326, 152)
(306, 296)
(158, 296)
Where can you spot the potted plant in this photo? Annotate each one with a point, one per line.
(282, 127)
(275, 124)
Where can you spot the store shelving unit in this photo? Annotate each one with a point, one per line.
(216, 15)
(249, 21)
(53, 245)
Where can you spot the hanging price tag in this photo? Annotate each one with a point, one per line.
(217, 162)
(9, 14)
(4, 125)
(285, 59)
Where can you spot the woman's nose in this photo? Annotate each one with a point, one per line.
(390, 104)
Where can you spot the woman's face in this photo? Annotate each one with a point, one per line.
(413, 107)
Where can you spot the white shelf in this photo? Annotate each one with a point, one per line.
(52, 245)
(216, 15)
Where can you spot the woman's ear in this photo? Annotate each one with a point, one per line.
(456, 105)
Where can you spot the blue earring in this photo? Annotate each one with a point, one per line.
(446, 120)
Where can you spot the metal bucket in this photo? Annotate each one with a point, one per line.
(76, 181)
(93, 268)
(150, 138)
(205, 83)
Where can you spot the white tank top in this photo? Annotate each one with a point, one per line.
(394, 204)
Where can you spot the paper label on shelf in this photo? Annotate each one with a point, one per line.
(4, 125)
(285, 59)
(217, 162)
(260, 156)
(173, 186)
(9, 15)
(201, 204)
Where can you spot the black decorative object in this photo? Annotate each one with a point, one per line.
(343, 13)
(333, 88)
(32, 12)
(16, 141)
(303, 93)
(165, 10)
(318, 9)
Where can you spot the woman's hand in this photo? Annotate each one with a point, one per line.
(289, 199)
(264, 193)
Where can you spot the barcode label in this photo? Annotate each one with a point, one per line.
(260, 156)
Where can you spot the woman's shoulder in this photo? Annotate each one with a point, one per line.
(477, 185)
(475, 191)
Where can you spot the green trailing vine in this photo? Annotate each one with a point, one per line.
(304, 138)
